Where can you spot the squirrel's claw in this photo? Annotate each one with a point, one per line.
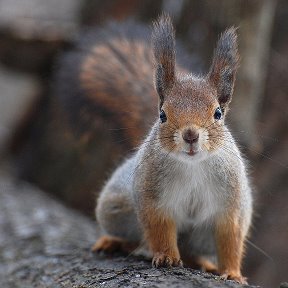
(233, 276)
(164, 260)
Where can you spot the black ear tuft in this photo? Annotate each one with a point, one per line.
(163, 42)
(222, 73)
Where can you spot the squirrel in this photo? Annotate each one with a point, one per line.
(185, 192)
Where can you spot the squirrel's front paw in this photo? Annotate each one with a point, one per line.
(234, 276)
(165, 260)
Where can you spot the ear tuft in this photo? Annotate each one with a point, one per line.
(163, 43)
(222, 73)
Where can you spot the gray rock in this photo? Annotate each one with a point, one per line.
(44, 244)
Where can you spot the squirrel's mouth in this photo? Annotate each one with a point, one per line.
(190, 148)
(192, 151)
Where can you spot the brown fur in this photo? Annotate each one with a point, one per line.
(186, 102)
(110, 244)
(163, 41)
(198, 97)
(230, 247)
(199, 263)
(117, 91)
(225, 63)
(160, 233)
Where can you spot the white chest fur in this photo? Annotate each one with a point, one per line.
(191, 194)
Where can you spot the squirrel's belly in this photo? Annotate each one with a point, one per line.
(194, 202)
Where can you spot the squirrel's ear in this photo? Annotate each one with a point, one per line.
(222, 73)
(163, 43)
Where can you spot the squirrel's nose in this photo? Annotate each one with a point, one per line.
(190, 136)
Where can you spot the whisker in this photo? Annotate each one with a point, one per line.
(152, 151)
(267, 157)
(122, 128)
(261, 251)
(233, 132)
(211, 124)
(250, 149)
(141, 245)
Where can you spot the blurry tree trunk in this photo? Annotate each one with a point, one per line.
(255, 35)
(174, 8)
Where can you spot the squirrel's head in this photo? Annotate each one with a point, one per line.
(192, 109)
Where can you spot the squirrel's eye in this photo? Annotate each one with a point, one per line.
(163, 117)
(218, 114)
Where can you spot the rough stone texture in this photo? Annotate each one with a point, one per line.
(44, 244)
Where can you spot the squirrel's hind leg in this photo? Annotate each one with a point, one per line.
(110, 244)
(116, 215)
(200, 263)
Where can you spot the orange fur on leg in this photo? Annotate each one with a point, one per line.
(161, 235)
(110, 244)
(230, 246)
(200, 263)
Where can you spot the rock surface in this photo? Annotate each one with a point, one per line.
(44, 244)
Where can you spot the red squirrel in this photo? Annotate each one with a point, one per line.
(185, 192)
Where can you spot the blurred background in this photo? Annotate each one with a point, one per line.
(37, 144)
